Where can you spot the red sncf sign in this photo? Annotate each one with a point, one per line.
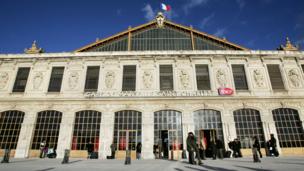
(225, 91)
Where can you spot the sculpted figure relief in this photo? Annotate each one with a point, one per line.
(294, 78)
(258, 78)
(73, 79)
(221, 77)
(110, 79)
(147, 79)
(184, 78)
(3, 79)
(37, 80)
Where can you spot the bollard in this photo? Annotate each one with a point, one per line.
(66, 156)
(6, 156)
(128, 157)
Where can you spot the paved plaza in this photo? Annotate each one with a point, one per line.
(244, 164)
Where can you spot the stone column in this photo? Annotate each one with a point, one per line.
(65, 133)
(269, 127)
(188, 126)
(106, 134)
(147, 135)
(26, 135)
(229, 129)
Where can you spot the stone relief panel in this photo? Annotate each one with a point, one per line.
(37, 80)
(147, 78)
(110, 79)
(4, 77)
(258, 78)
(294, 78)
(73, 80)
(184, 78)
(221, 77)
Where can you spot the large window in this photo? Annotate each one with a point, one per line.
(56, 79)
(127, 129)
(129, 78)
(166, 77)
(86, 129)
(208, 119)
(10, 125)
(239, 77)
(21, 79)
(47, 129)
(91, 83)
(171, 121)
(202, 77)
(248, 124)
(275, 77)
(289, 127)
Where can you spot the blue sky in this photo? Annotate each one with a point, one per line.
(66, 25)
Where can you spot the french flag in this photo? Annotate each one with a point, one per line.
(165, 7)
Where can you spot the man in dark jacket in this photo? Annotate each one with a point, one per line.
(237, 148)
(191, 148)
(90, 149)
(273, 146)
(220, 148)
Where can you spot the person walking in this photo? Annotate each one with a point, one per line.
(202, 148)
(113, 150)
(138, 151)
(213, 148)
(237, 148)
(273, 146)
(90, 149)
(255, 147)
(42, 149)
(191, 148)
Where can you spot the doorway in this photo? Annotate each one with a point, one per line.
(207, 136)
(164, 136)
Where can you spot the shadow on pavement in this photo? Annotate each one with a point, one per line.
(193, 168)
(46, 169)
(20, 161)
(74, 161)
(290, 163)
(216, 168)
(251, 168)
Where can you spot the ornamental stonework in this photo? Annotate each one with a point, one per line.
(294, 78)
(37, 80)
(221, 77)
(184, 78)
(147, 79)
(258, 78)
(3, 79)
(110, 79)
(73, 80)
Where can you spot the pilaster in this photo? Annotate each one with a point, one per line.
(26, 135)
(106, 134)
(65, 133)
(147, 135)
(188, 126)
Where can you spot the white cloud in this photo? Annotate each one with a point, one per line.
(220, 32)
(193, 3)
(149, 13)
(241, 3)
(206, 21)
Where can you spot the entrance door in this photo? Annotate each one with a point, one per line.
(209, 138)
(127, 140)
(164, 143)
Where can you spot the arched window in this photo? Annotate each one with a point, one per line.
(289, 127)
(47, 129)
(208, 124)
(127, 129)
(248, 124)
(168, 125)
(10, 125)
(86, 129)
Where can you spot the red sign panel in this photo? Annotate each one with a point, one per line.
(225, 91)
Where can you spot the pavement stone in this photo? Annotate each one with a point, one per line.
(231, 164)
